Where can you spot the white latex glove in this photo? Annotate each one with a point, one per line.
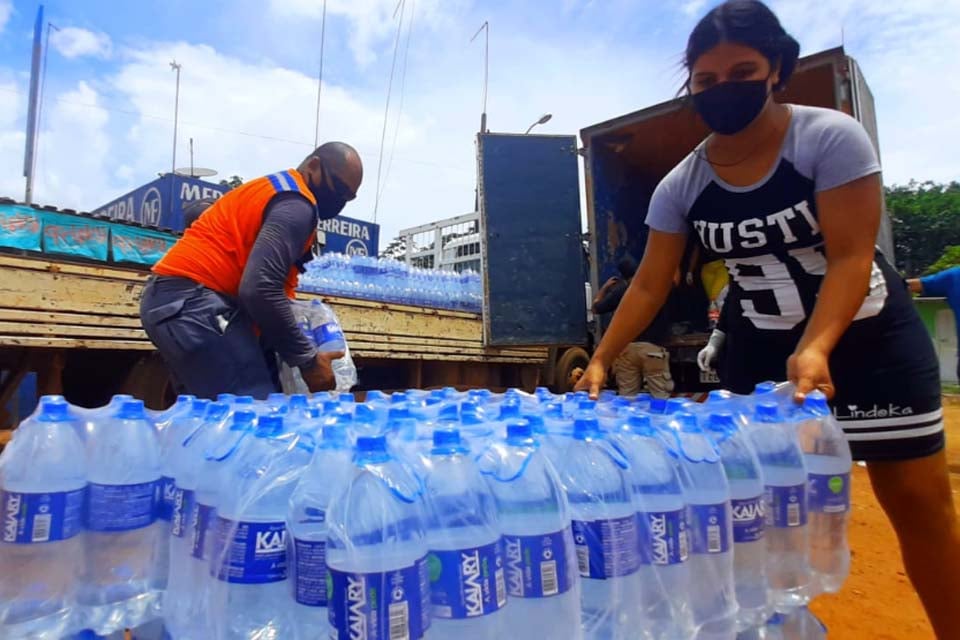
(708, 355)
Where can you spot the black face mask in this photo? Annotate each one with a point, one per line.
(729, 107)
(329, 202)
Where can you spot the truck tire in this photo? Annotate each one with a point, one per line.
(570, 367)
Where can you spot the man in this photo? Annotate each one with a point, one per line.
(644, 365)
(219, 302)
(945, 284)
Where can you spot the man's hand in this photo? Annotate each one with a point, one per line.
(320, 377)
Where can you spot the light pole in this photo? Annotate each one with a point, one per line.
(544, 119)
(176, 113)
(485, 27)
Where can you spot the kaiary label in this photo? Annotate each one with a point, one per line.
(606, 548)
(310, 572)
(249, 552)
(539, 566)
(663, 537)
(786, 506)
(467, 583)
(393, 605)
(709, 528)
(181, 515)
(168, 492)
(41, 517)
(201, 519)
(122, 507)
(828, 493)
(748, 519)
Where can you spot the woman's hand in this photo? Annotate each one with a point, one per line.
(593, 379)
(809, 369)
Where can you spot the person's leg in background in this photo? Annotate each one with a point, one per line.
(628, 369)
(917, 498)
(206, 340)
(655, 365)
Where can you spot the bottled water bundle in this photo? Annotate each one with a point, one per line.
(424, 515)
(321, 326)
(389, 280)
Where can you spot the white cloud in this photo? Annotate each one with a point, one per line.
(6, 10)
(74, 42)
(693, 7)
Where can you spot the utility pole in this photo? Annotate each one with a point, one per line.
(31, 142)
(323, 32)
(485, 27)
(176, 114)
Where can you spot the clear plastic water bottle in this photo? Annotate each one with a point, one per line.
(249, 562)
(43, 479)
(541, 564)
(828, 461)
(468, 585)
(664, 599)
(785, 507)
(120, 585)
(711, 530)
(307, 527)
(377, 550)
(605, 537)
(747, 508)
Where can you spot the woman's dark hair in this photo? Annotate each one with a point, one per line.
(750, 23)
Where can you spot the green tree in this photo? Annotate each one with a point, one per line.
(233, 182)
(926, 220)
(950, 258)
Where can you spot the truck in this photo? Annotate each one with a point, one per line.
(530, 216)
(74, 323)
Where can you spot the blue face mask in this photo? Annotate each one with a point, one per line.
(729, 107)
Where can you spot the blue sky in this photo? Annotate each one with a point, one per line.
(249, 85)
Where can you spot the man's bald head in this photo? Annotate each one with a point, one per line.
(338, 159)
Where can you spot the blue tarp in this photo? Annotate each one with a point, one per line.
(20, 227)
(68, 235)
(142, 246)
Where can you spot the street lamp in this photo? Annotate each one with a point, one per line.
(174, 66)
(544, 119)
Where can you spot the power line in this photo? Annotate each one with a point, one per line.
(386, 110)
(323, 34)
(403, 84)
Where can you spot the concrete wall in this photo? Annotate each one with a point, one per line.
(938, 319)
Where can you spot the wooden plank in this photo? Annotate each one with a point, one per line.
(43, 291)
(73, 268)
(74, 343)
(24, 315)
(66, 330)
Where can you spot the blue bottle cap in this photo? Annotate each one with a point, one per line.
(765, 387)
(586, 405)
(314, 412)
(243, 400)
(398, 397)
(446, 438)
(277, 398)
(330, 406)
(675, 405)
(398, 413)
(226, 397)
(585, 428)
(581, 395)
(376, 396)
(198, 408)
(242, 420)
(719, 395)
(53, 409)
(639, 423)
(320, 397)
(347, 398)
(372, 444)
(334, 434)
(184, 398)
(554, 410)
(519, 430)
(131, 410)
(437, 393)
(658, 405)
(365, 414)
(536, 422)
(450, 413)
(642, 397)
(816, 402)
(298, 401)
(607, 395)
(449, 392)
(722, 422)
(542, 391)
(120, 397)
(767, 412)
(687, 422)
(620, 402)
(509, 410)
(269, 425)
(216, 411)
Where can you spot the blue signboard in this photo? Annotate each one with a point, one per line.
(160, 203)
(349, 236)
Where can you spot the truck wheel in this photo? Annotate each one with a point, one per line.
(150, 381)
(570, 367)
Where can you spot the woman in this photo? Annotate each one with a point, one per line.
(790, 197)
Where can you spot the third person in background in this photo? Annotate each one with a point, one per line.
(945, 284)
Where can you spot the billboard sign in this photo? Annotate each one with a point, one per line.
(160, 203)
(349, 236)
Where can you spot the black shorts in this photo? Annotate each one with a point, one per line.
(885, 371)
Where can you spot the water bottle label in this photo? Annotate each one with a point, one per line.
(828, 493)
(183, 501)
(249, 552)
(328, 332)
(606, 548)
(467, 583)
(393, 605)
(200, 521)
(786, 506)
(663, 537)
(168, 491)
(539, 566)
(41, 517)
(748, 519)
(310, 572)
(709, 531)
(122, 507)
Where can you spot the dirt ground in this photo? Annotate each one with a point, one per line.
(877, 602)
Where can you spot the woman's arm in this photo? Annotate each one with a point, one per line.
(849, 218)
(643, 299)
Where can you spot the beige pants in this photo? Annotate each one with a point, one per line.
(644, 366)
